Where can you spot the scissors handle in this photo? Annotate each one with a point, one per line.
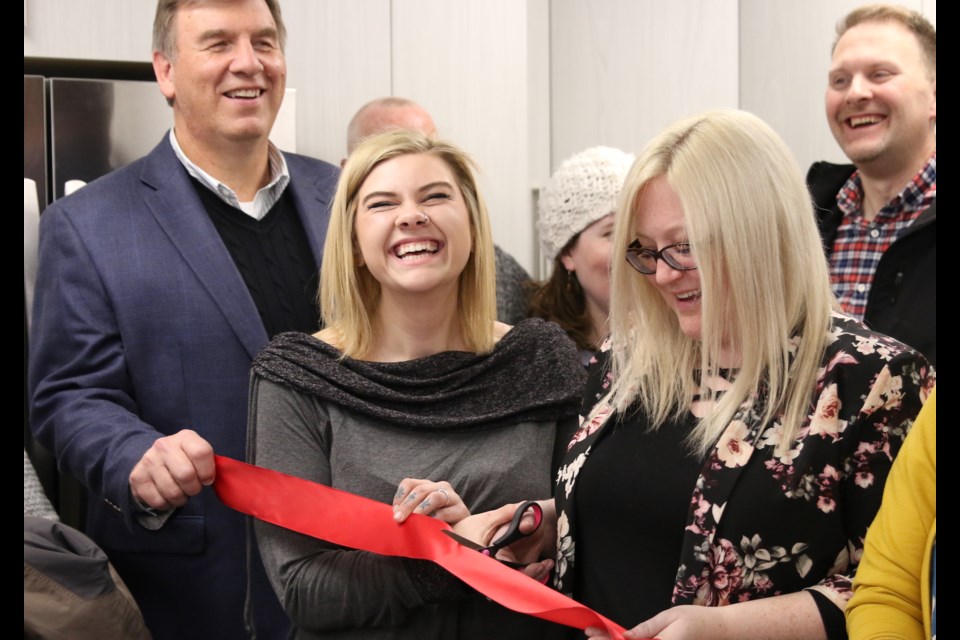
(513, 533)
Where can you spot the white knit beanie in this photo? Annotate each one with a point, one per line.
(583, 190)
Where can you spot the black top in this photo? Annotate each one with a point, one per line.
(274, 258)
(767, 517)
(634, 497)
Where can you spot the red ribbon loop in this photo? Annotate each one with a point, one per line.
(353, 521)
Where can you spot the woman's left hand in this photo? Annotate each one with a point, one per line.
(791, 616)
(677, 623)
(429, 498)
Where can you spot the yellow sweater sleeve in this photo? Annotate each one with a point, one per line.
(891, 591)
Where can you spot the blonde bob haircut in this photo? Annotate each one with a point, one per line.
(763, 278)
(349, 294)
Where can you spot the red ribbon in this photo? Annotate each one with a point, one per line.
(353, 521)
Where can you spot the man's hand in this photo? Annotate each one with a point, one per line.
(173, 469)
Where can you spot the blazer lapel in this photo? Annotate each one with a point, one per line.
(312, 189)
(578, 450)
(716, 483)
(178, 210)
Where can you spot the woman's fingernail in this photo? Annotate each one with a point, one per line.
(544, 573)
(397, 516)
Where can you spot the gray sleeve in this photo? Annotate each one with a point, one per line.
(513, 297)
(321, 586)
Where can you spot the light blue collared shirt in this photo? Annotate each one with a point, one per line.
(265, 198)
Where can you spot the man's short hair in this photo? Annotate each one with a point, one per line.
(163, 37)
(912, 21)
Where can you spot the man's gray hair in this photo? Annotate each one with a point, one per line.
(163, 35)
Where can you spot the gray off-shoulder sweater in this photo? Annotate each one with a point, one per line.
(489, 424)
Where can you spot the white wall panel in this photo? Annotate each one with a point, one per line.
(467, 63)
(338, 58)
(521, 84)
(338, 53)
(539, 144)
(621, 70)
(785, 56)
(92, 29)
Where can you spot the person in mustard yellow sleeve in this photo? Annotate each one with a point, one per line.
(895, 591)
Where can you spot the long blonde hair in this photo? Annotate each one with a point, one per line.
(763, 278)
(349, 294)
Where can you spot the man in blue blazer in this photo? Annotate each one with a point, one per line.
(157, 285)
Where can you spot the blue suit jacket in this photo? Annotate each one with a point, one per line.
(143, 326)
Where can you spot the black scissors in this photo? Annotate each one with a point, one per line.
(511, 535)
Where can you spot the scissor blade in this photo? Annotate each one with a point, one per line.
(470, 544)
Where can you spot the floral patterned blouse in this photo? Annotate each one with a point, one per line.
(761, 525)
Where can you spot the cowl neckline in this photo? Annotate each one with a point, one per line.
(532, 374)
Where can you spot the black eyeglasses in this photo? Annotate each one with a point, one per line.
(677, 256)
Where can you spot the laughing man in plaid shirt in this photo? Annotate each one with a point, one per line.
(878, 216)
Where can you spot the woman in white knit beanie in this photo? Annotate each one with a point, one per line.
(575, 221)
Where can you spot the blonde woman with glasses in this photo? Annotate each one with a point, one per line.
(723, 488)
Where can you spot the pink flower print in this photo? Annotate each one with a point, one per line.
(826, 482)
(841, 357)
(733, 449)
(863, 479)
(596, 420)
(684, 588)
(886, 393)
(701, 507)
(928, 380)
(862, 471)
(826, 420)
(762, 583)
(867, 346)
(826, 504)
(865, 450)
(722, 576)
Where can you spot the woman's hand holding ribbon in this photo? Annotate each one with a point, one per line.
(437, 499)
